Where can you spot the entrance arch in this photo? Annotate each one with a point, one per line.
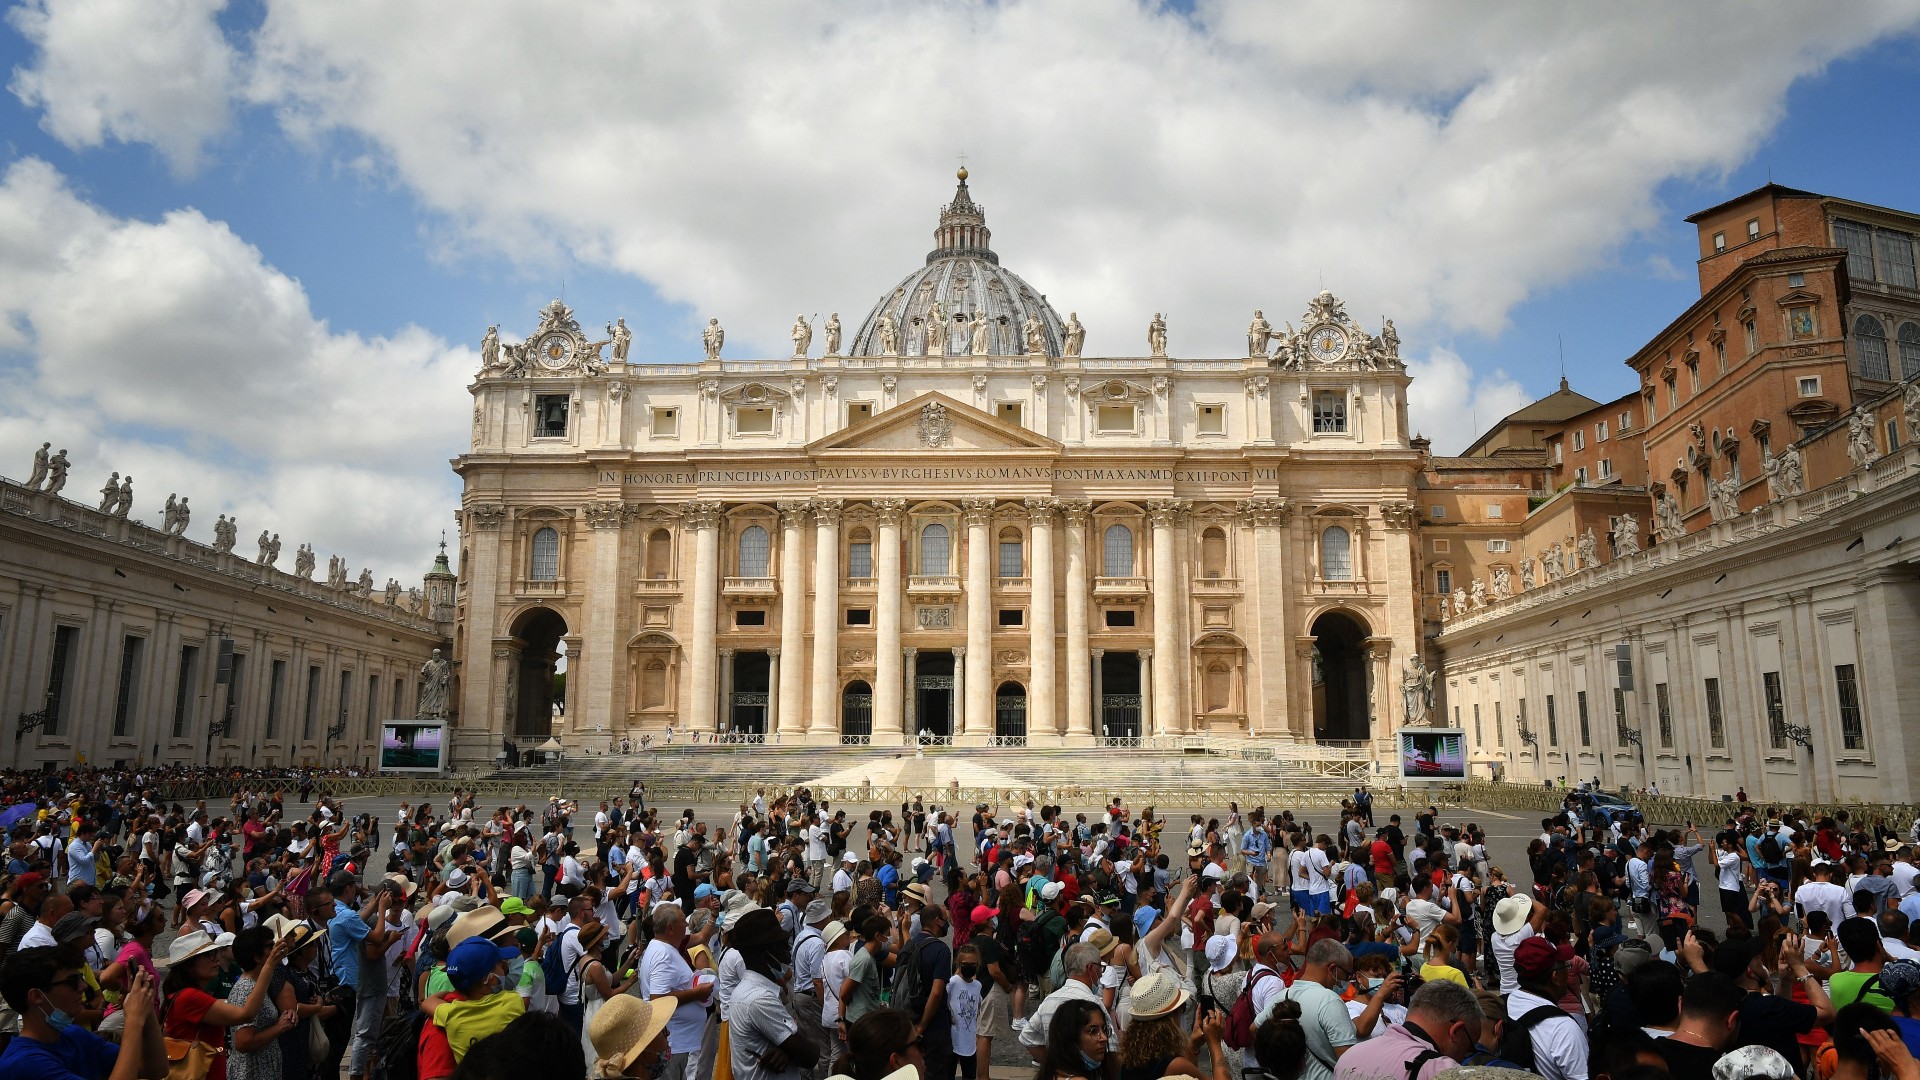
(856, 714)
(1340, 709)
(538, 633)
(1010, 714)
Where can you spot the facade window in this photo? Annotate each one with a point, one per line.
(753, 419)
(1579, 441)
(755, 552)
(1858, 240)
(1120, 619)
(550, 416)
(1893, 435)
(1716, 721)
(1116, 551)
(184, 689)
(1437, 512)
(860, 558)
(1896, 257)
(1011, 554)
(659, 555)
(1580, 475)
(1330, 413)
(1553, 724)
(1477, 740)
(373, 704)
(1114, 419)
(750, 617)
(666, 423)
(1720, 356)
(346, 695)
(546, 555)
(313, 704)
(1753, 337)
(1776, 702)
(60, 675)
(1213, 553)
(1853, 732)
(277, 695)
(1443, 582)
(936, 553)
(399, 699)
(1336, 554)
(1871, 339)
(1909, 350)
(1719, 242)
(858, 411)
(1606, 468)
(1809, 386)
(1580, 709)
(133, 651)
(859, 616)
(1499, 726)
(1619, 717)
(1499, 547)
(1663, 708)
(1212, 420)
(1012, 616)
(1600, 431)
(1753, 228)
(1009, 412)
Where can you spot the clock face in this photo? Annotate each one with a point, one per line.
(1327, 344)
(555, 349)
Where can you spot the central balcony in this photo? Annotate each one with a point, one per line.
(748, 586)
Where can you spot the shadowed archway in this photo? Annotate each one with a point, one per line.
(1340, 709)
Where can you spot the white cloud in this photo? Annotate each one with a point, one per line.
(172, 350)
(1451, 404)
(151, 71)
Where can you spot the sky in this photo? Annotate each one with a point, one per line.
(248, 249)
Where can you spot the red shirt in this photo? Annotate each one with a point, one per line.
(185, 1011)
(1382, 857)
(435, 1057)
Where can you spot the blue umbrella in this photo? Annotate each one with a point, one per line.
(12, 815)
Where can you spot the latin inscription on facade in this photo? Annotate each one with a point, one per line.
(1034, 473)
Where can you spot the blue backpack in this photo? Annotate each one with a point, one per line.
(553, 966)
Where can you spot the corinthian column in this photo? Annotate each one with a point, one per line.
(1080, 697)
(979, 615)
(793, 604)
(703, 695)
(1169, 521)
(1040, 644)
(826, 616)
(887, 668)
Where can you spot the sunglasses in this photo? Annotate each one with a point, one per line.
(72, 982)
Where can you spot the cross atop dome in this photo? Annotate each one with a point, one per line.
(963, 227)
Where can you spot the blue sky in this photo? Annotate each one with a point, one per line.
(346, 176)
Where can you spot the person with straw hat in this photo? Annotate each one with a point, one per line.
(193, 1014)
(629, 1037)
(1155, 1043)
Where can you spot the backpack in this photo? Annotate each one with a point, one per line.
(1239, 1032)
(553, 969)
(1516, 1040)
(1769, 849)
(908, 993)
(1030, 946)
(397, 1051)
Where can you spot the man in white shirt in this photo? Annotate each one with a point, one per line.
(1821, 894)
(1083, 967)
(843, 877)
(1423, 914)
(1559, 1044)
(1904, 872)
(1319, 878)
(665, 973)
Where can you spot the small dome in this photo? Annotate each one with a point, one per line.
(964, 277)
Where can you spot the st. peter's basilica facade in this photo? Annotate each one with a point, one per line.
(955, 528)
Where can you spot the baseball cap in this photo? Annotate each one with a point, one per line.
(703, 891)
(1535, 957)
(982, 914)
(1051, 890)
(472, 960)
(513, 905)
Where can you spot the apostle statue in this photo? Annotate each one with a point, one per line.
(1416, 692)
(833, 334)
(123, 502)
(1479, 594)
(110, 493)
(41, 457)
(436, 675)
(1502, 583)
(1459, 602)
(1723, 497)
(1390, 341)
(1589, 550)
(1259, 333)
(490, 349)
(393, 593)
(225, 532)
(1785, 475)
(936, 330)
(1667, 522)
(366, 582)
(1626, 536)
(713, 338)
(1527, 567)
(889, 336)
(1036, 336)
(622, 338)
(57, 473)
(1862, 447)
(1157, 334)
(1076, 334)
(802, 335)
(978, 333)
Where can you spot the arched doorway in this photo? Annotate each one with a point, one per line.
(747, 712)
(538, 633)
(1340, 709)
(933, 695)
(856, 714)
(1010, 714)
(1119, 689)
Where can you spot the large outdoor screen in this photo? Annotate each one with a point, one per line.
(411, 747)
(1433, 754)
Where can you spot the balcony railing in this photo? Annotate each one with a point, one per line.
(657, 585)
(933, 583)
(748, 586)
(1120, 586)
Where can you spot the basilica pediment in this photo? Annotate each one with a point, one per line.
(934, 423)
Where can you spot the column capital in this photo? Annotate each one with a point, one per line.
(827, 511)
(726, 654)
(1266, 512)
(607, 514)
(890, 511)
(959, 651)
(702, 513)
(488, 515)
(978, 511)
(1098, 653)
(1257, 385)
(793, 512)
(1040, 511)
(1145, 655)
(1077, 511)
(911, 651)
(773, 653)
(1169, 513)
(1398, 515)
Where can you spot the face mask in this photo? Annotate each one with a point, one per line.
(967, 971)
(658, 1069)
(1092, 1063)
(1374, 984)
(58, 1020)
(514, 968)
(779, 972)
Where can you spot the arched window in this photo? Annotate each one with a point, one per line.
(1213, 553)
(753, 551)
(935, 551)
(1336, 554)
(653, 685)
(546, 555)
(659, 555)
(859, 554)
(1909, 350)
(1117, 551)
(1872, 341)
(1011, 560)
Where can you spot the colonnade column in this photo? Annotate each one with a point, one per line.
(726, 691)
(790, 688)
(1081, 695)
(1099, 727)
(608, 521)
(911, 720)
(1168, 516)
(826, 616)
(773, 700)
(1040, 646)
(889, 688)
(979, 670)
(1147, 681)
(959, 683)
(703, 704)
(1267, 702)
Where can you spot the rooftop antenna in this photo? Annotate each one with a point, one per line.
(1561, 343)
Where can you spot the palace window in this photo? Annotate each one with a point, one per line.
(1753, 336)
(1443, 582)
(1010, 553)
(1580, 708)
(1719, 242)
(666, 423)
(185, 690)
(1753, 228)
(1858, 240)
(1116, 555)
(935, 551)
(1606, 468)
(659, 555)
(753, 419)
(1809, 386)
(858, 411)
(1579, 440)
(1871, 338)
(1114, 419)
(859, 555)
(1720, 356)
(1211, 420)
(750, 617)
(1626, 420)
(754, 552)
(1213, 553)
(1716, 721)
(1663, 710)
(1336, 554)
(1580, 475)
(1330, 413)
(1776, 703)
(132, 651)
(550, 416)
(1852, 731)
(1909, 350)
(1553, 723)
(546, 555)
(1600, 431)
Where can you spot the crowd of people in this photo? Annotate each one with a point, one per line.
(271, 939)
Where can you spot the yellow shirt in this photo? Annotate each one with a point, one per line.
(1430, 972)
(467, 1022)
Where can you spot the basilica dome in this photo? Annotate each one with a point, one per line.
(962, 278)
